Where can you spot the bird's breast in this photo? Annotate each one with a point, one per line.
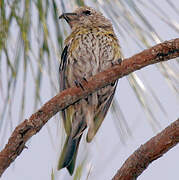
(91, 52)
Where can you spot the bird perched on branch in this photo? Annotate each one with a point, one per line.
(91, 48)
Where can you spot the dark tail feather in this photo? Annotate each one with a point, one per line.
(71, 166)
(69, 154)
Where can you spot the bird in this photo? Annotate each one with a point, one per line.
(92, 47)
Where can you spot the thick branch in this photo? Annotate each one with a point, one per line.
(28, 128)
(149, 152)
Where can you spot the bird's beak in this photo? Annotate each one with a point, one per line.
(68, 16)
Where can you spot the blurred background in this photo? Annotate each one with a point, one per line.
(31, 43)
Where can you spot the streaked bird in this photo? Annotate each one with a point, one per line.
(91, 48)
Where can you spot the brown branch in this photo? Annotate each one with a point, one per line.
(150, 151)
(161, 52)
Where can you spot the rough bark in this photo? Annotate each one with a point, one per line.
(149, 152)
(16, 143)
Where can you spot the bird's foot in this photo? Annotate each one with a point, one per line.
(80, 83)
(119, 60)
(85, 79)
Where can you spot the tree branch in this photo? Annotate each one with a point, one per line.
(161, 52)
(150, 151)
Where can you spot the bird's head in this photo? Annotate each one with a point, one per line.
(86, 17)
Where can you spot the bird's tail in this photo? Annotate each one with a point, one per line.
(69, 153)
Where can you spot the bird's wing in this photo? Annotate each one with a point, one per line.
(101, 113)
(66, 114)
(63, 67)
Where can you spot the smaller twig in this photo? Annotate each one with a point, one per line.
(150, 151)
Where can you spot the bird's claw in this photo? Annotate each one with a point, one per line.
(119, 60)
(78, 84)
(85, 79)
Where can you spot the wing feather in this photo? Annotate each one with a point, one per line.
(67, 113)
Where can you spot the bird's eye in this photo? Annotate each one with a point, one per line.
(87, 12)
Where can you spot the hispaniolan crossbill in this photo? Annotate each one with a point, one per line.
(91, 48)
